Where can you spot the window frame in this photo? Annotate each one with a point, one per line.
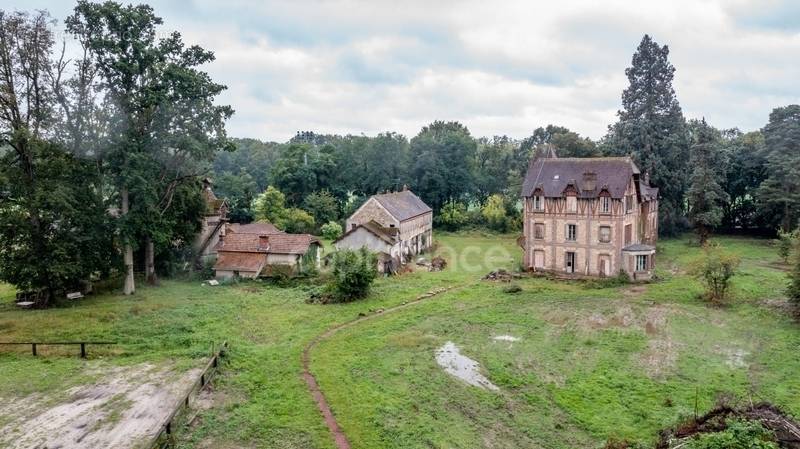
(644, 263)
(600, 234)
(537, 226)
(572, 200)
(574, 234)
(538, 203)
(605, 204)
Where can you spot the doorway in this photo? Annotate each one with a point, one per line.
(569, 262)
(605, 265)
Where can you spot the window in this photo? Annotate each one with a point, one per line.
(641, 263)
(605, 234)
(572, 232)
(605, 205)
(538, 231)
(538, 203)
(628, 203)
(628, 234)
(572, 204)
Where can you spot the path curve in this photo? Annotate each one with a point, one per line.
(313, 387)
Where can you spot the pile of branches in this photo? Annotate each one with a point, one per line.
(501, 275)
(785, 428)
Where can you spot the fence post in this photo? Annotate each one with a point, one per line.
(33, 348)
(83, 350)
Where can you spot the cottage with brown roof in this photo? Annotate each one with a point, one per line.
(589, 216)
(402, 214)
(380, 240)
(248, 252)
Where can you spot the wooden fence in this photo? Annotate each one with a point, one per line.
(82, 344)
(165, 438)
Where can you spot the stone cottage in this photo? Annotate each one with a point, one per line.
(403, 215)
(383, 241)
(589, 216)
(247, 251)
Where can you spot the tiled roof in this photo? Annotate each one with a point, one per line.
(588, 175)
(230, 261)
(402, 205)
(389, 235)
(250, 243)
(261, 227)
(291, 243)
(639, 247)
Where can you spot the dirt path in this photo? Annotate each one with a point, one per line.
(313, 387)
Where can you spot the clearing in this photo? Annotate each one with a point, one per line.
(573, 363)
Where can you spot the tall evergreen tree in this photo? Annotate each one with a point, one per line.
(780, 192)
(706, 197)
(652, 129)
(745, 171)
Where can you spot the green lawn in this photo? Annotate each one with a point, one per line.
(590, 363)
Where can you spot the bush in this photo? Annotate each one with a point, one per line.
(352, 274)
(331, 230)
(296, 221)
(512, 289)
(715, 268)
(784, 243)
(793, 291)
(739, 434)
(452, 216)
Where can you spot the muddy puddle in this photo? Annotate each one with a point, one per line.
(450, 359)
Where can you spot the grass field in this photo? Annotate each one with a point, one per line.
(591, 363)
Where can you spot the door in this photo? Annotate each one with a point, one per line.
(569, 262)
(605, 265)
(538, 259)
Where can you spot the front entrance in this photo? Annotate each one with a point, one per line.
(569, 262)
(538, 259)
(605, 265)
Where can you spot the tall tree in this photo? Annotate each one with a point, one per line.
(385, 163)
(53, 231)
(780, 192)
(745, 171)
(494, 164)
(651, 128)
(165, 125)
(442, 154)
(302, 169)
(706, 197)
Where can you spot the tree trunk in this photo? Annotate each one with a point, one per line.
(149, 262)
(130, 286)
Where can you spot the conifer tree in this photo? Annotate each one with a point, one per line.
(780, 192)
(706, 197)
(652, 129)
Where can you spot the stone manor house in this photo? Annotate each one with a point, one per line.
(589, 216)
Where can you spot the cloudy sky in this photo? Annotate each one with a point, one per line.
(498, 67)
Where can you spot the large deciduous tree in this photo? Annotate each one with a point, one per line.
(53, 226)
(164, 124)
(744, 172)
(705, 196)
(780, 192)
(442, 155)
(651, 128)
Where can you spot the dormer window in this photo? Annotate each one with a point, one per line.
(538, 202)
(572, 204)
(605, 205)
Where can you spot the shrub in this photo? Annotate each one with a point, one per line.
(453, 216)
(784, 243)
(715, 268)
(739, 434)
(512, 289)
(352, 274)
(296, 221)
(494, 212)
(331, 230)
(793, 291)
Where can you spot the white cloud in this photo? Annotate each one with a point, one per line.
(500, 68)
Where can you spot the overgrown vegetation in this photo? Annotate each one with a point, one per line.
(352, 274)
(715, 268)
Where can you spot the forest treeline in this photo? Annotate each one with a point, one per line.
(103, 155)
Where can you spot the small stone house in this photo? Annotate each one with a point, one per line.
(246, 251)
(403, 211)
(213, 226)
(381, 240)
(589, 216)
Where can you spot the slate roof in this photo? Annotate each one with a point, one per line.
(232, 261)
(261, 227)
(402, 205)
(553, 175)
(388, 235)
(648, 192)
